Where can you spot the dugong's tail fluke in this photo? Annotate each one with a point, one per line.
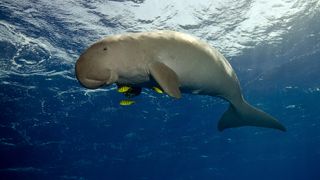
(246, 115)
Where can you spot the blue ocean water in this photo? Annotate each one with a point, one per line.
(53, 128)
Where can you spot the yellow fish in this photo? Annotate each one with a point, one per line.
(158, 90)
(124, 89)
(126, 102)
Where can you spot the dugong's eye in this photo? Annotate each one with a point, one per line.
(105, 48)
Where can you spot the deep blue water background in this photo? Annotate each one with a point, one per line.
(52, 128)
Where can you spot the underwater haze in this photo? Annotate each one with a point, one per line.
(53, 128)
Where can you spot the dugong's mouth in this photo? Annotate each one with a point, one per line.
(89, 79)
(91, 83)
(93, 74)
(96, 80)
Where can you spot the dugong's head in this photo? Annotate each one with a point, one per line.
(95, 67)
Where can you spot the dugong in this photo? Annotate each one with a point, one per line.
(178, 63)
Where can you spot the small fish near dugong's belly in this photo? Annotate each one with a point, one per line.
(176, 62)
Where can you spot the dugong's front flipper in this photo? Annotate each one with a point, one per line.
(166, 78)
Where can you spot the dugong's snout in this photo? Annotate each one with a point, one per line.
(92, 75)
